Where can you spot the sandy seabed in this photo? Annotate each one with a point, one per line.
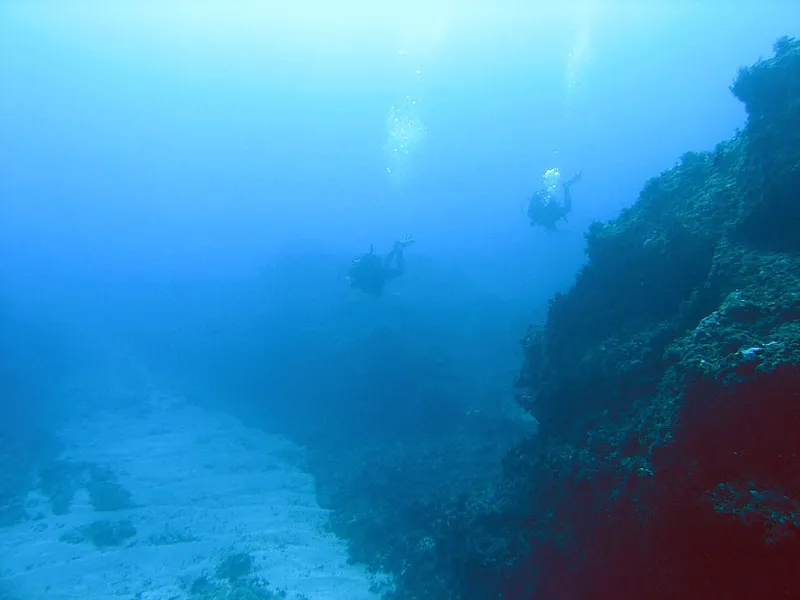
(219, 510)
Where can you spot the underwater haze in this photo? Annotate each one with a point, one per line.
(154, 141)
(183, 190)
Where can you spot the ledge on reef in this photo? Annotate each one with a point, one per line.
(667, 385)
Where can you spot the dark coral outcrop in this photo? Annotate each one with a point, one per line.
(667, 386)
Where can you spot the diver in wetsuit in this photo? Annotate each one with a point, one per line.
(370, 272)
(544, 208)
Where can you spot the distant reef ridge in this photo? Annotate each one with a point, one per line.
(666, 382)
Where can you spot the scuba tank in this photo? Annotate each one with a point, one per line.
(365, 266)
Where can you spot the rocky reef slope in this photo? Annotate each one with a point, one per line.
(667, 386)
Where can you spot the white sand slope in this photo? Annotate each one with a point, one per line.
(213, 497)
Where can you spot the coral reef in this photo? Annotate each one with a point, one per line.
(667, 386)
(406, 505)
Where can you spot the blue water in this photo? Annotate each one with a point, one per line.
(186, 185)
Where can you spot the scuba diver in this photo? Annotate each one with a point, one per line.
(544, 208)
(370, 272)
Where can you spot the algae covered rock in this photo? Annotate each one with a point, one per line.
(667, 383)
(770, 175)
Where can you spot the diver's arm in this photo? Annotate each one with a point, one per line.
(394, 263)
(567, 194)
(389, 259)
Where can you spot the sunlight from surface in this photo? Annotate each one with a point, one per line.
(201, 30)
(319, 69)
(196, 33)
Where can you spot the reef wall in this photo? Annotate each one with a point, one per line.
(667, 387)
